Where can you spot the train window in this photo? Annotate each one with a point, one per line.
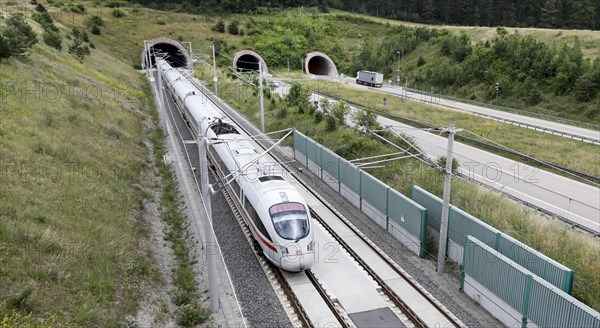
(270, 178)
(255, 218)
(290, 220)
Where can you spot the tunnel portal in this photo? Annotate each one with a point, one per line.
(318, 63)
(176, 54)
(247, 60)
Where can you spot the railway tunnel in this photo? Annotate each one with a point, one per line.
(247, 60)
(318, 63)
(176, 54)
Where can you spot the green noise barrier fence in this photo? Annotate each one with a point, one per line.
(517, 295)
(462, 224)
(398, 214)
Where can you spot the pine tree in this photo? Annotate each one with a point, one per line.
(549, 14)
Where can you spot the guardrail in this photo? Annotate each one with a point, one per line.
(420, 124)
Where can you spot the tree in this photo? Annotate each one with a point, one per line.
(234, 27)
(585, 88)
(96, 30)
(365, 120)
(219, 26)
(326, 106)
(4, 49)
(53, 39)
(297, 96)
(78, 48)
(18, 37)
(340, 110)
(40, 8)
(549, 14)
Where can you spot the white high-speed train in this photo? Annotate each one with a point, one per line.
(275, 211)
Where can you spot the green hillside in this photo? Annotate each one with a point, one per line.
(77, 137)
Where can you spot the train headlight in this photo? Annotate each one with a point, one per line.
(311, 246)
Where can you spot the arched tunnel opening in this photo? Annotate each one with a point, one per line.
(247, 63)
(248, 60)
(174, 53)
(320, 64)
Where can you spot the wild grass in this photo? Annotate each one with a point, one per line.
(577, 250)
(565, 152)
(588, 39)
(70, 166)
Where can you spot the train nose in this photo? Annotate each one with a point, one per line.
(297, 263)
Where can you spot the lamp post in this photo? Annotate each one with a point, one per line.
(398, 69)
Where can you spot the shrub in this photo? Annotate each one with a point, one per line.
(53, 39)
(190, 315)
(441, 161)
(234, 27)
(118, 13)
(45, 20)
(40, 8)
(95, 20)
(17, 37)
(331, 123)
(219, 26)
(96, 30)
(318, 116)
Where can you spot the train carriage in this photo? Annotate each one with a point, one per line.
(275, 211)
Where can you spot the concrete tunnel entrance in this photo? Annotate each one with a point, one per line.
(318, 63)
(247, 60)
(176, 54)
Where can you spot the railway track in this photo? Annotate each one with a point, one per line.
(392, 284)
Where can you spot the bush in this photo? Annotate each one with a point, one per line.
(234, 27)
(96, 30)
(45, 20)
(331, 123)
(17, 37)
(318, 116)
(53, 39)
(95, 20)
(40, 8)
(441, 161)
(219, 27)
(190, 315)
(118, 13)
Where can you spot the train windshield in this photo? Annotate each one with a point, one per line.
(290, 220)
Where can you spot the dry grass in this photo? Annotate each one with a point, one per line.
(588, 39)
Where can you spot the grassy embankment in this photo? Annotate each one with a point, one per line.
(574, 249)
(588, 39)
(74, 174)
(565, 152)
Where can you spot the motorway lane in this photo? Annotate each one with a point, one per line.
(532, 121)
(570, 199)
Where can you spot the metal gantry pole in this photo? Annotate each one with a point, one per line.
(262, 104)
(210, 247)
(446, 202)
(160, 90)
(215, 79)
(405, 88)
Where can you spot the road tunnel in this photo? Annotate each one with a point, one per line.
(173, 51)
(247, 60)
(318, 63)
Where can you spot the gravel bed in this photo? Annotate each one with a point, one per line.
(259, 303)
